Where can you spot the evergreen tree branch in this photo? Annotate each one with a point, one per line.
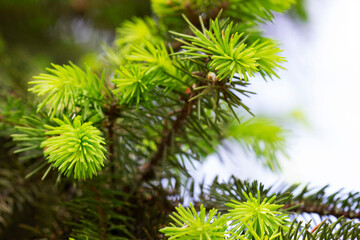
(153, 102)
(101, 221)
(324, 209)
(112, 114)
(295, 199)
(148, 170)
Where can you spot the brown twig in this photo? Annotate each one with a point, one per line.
(112, 114)
(322, 210)
(148, 170)
(317, 226)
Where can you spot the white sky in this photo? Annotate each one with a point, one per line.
(322, 79)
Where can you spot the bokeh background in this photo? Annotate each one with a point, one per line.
(317, 99)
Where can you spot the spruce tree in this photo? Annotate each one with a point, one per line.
(103, 152)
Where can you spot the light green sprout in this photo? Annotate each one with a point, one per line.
(75, 147)
(191, 225)
(228, 52)
(66, 87)
(254, 219)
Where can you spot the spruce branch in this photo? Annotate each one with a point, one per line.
(324, 209)
(29, 134)
(148, 170)
(294, 198)
(112, 114)
(339, 229)
(251, 219)
(338, 204)
(99, 210)
(168, 105)
(228, 51)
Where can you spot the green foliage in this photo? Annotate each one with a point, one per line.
(228, 52)
(257, 10)
(299, 10)
(269, 211)
(296, 198)
(339, 229)
(262, 137)
(11, 109)
(142, 118)
(14, 198)
(253, 219)
(75, 147)
(193, 225)
(259, 217)
(67, 87)
(99, 212)
(134, 83)
(163, 8)
(169, 11)
(30, 133)
(154, 55)
(137, 32)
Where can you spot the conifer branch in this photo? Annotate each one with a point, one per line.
(100, 213)
(112, 116)
(194, 18)
(323, 209)
(148, 170)
(152, 98)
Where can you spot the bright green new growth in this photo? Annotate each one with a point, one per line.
(256, 217)
(134, 84)
(193, 226)
(253, 219)
(75, 147)
(154, 56)
(67, 86)
(228, 52)
(137, 31)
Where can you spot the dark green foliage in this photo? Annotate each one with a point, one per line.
(100, 213)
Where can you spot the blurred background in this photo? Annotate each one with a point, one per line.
(34, 33)
(316, 98)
